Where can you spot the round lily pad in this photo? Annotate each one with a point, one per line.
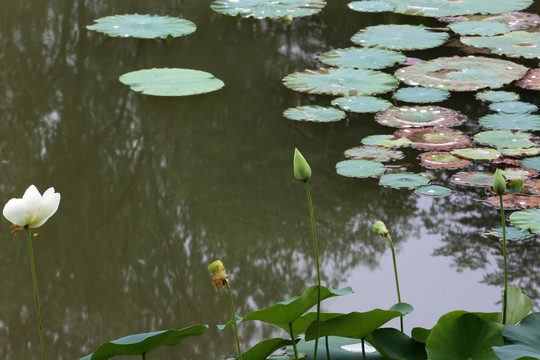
(399, 37)
(433, 190)
(359, 168)
(370, 6)
(375, 153)
(521, 152)
(514, 44)
(483, 28)
(435, 138)
(516, 20)
(361, 104)
(462, 73)
(505, 139)
(171, 82)
(518, 173)
(531, 186)
(477, 153)
(341, 81)
(420, 116)
(386, 141)
(314, 113)
(143, 26)
(514, 202)
(531, 80)
(503, 121)
(260, 9)
(503, 160)
(442, 160)
(421, 95)
(473, 178)
(438, 8)
(527, 220)
(497, 96)
(512, 233)
(532, 163)
(362, 58)
(403, 180)
(513, 107)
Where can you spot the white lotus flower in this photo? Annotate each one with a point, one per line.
(33, 210)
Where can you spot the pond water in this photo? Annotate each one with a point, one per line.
(154, 189)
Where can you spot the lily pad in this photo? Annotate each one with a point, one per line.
(505, 139)
(518, 173)
(438, 8)
(521, 340)
(386, 141)
(512, 233)
(514, 107)
(514, 202)
(171, 82)
(399, 37)
(442, 160)
(483, 28)
(504, 121)
(261, 9)
(314, 113)
(473, 178)
(433, 190)
(143, 26)
(370, 6)
(527, 220)
(532, 163)
(497, 96)
(421, 95)
(361, 104)
(341, 81)
(462, 73)
(531, 80)
(514, 44)
(420, 116)
(403, 180)
(516, 20)
(477, 153)
(374, 153)
(532, 186)
(362, 58)
(359, 168)
(435, 138)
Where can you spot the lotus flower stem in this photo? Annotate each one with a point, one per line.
(36, 296)
(396, 274)
(234, 320)
(293, 341)
(505, 294)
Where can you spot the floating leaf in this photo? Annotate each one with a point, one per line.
(514, 44)
(362, 58)
(341, 82)
(433, 190)
(521, 152)
(497, 96)
(505, 139)
(473, 178)
(143, 26)
(503, 121)
(374, 153)
(370, 6)
(442, 160)
(514, 202)
(483, 28)
(532, 186)
(462, 73)
(394, 344)
(403, 180)
(386, 141)
(421, 95)
(171, 82)
(339, 348)
(438, 8)
(512, 233)
(361, 104)
(420, 116)
(532, 163)
(531, 80)
(518, 173)
(261, 9)
(527, 220)
(359, 168)
(513, 107)
(399, 37)
(314, 113)
(435, 138)
(521, 340)
(477, 153)
(516, 20)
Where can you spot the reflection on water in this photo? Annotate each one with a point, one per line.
(155, 189)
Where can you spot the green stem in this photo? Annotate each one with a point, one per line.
(234, 320)
(36, 297)
(293, 341)
(327, 348)
(505, 294)
(144, 356)
(396, 274)
(318, 271)
(363, 350)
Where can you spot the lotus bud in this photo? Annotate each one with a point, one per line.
(379, 228)
(302, 171)
(499, 184)
(216, 267)
(221, 278)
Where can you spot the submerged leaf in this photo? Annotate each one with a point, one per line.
(314, 113)
(420, 116)
(261, 9)
(399, 37)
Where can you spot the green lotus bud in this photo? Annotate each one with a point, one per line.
(287, 19)
(216, 267)
(499, 184)
(379, 228)
(302, 171)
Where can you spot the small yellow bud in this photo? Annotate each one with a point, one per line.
(499, 184)
(216, 267)
(302, 171)
(379, 228)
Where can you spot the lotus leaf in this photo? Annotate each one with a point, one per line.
(341, 81)
(527, 220)
(512, 233)
(433, 190)
(531, 80)
(518, 173)
(503, 160)
(421, 95)
(521, 152)
(505, 139)
(514, 202)
(394, 344)
(403, 180)
(314, 113)
(265, 348)
(435, 138)
(497, 96)
(462, 73)
(370, 6)
(483, 28)
(361, 104)
(516, 20)
(386, 141)
(261, 9)
(420, 116)
(443, 160)
(532, 163)
(504, 121)
(438, 8)
(514, 107)
(338, 347)
(143, 26)
(362, 58)
(171, 82)
(473, 178)
(514, 44)
(374, 153)
(521, 340)
(359, 168)
(477, 153)
(399, 37)
(532, 186)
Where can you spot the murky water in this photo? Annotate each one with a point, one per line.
(154, 189)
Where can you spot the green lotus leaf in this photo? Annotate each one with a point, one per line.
(504, 121)
(171, 82)
(435, 138)
(386, 141)
(483, 28)
(394, 344)
(433, 190)
(314, 113)
(513, 202)
(361, 104)
(421, 95)
(497, 96)
(532, 163)
(519, 306)
(462, 73)
(261, 9)
(531, 80)
(442, 160)
(512, 233)
(362, 58)
(341, 82)
(513, 107)
(374, 153)
(143, 26)
(359, 168)
(403, 180)
(521, 340)
(399, 37)
(477, 153)
(438, 8)
(521, 152)
(420, 116)
(473, 178)
(505, 139)
(370, 6)
(527, 220)
(514, 44)
(340, 348)
(531, 186)
(265, 348)
(514, 173)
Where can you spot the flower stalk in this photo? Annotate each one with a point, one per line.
(499, 186)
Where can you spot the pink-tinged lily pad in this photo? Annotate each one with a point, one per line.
(390, 141)
(516, 20)
(531, 80)
(514, 202)
(399, 37)
(473, 178)
(462, 73)
(374, 153)
(420, 116)
(505, 139)
(514, 44)
(442, 160)
(532, 186)
(519, 173)
(477, 153)
(504, 160)
(412, 61)
(435, 138)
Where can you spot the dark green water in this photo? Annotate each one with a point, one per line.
(155, 189)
